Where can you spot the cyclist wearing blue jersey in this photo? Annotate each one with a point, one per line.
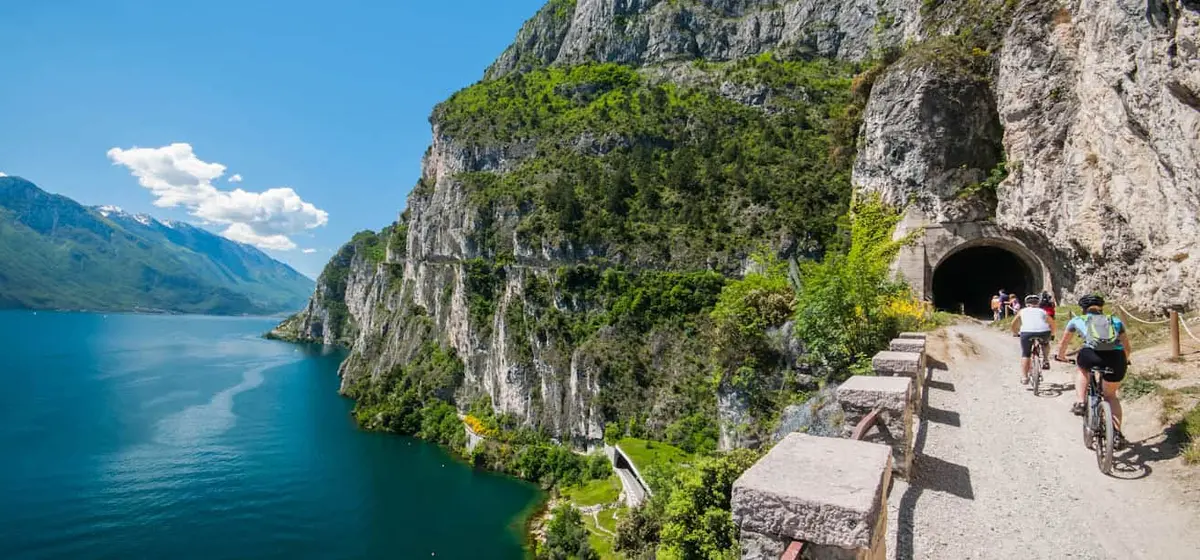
(1105, 344)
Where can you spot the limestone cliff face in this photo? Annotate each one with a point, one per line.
(1099, 103)
(1093, 107)
(649, 32)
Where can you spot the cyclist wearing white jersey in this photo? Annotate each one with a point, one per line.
(1031, 323)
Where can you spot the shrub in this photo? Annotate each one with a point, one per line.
(688, 517)
(566, 537)
(842, 311)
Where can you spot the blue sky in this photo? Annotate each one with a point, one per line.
(330, 99)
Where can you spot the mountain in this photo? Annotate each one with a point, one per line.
(587, 209)
(58, 254)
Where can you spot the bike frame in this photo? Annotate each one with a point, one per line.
(1095, 390)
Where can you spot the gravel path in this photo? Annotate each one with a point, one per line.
(1003, 474)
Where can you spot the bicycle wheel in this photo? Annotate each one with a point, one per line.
(1035, 369)
(1088, 414)
(1104, 440)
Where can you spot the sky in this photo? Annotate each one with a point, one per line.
(287, 125)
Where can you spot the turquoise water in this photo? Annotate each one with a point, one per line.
(127, 436)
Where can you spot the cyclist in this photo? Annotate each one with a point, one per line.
(1105, 344)
(1014, 305)
(1031, 323)
(1047, 303)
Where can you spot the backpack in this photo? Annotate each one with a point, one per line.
(1100, 332)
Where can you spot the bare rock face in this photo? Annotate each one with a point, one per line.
(1101, 106)
(929, 133)
(649, 32)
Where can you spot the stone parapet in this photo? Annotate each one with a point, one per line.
(903, 364)
(830, 493)
(912, 335)
(916, 345)
(862, 394)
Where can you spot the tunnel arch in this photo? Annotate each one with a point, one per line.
(965, 278)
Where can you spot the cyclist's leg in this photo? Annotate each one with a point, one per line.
(1026, 352)
(1046, 351)
(1085, 360)
(1112, 383)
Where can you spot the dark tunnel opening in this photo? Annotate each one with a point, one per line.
(967, 280)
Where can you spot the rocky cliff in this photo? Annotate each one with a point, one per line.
(1084, 115)
(575, 222)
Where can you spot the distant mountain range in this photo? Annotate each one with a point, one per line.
(58, 254)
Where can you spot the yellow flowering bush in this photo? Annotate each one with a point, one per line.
(909, 312)
(478, 426)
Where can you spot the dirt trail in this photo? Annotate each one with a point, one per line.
(1003, 474)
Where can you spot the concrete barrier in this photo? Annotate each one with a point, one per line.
(830, 493)
(903, 364)
(862, 394)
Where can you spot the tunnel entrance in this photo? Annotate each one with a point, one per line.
(966, 280)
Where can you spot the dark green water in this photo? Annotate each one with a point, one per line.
(127, 436)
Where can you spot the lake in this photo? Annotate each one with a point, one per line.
(142, 436)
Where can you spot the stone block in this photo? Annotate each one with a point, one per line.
(906, 364)
(889, 363)
(913, 335)
(865, 392)
(916, 345)
(824, 491)
(861, 394)
(757, 546)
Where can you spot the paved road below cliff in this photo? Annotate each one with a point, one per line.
(1003, 474)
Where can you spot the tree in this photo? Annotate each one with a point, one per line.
(697, 522)
(620, 188)
(566, 537)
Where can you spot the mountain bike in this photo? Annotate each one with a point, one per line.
(1036, 359)
(1099, 434)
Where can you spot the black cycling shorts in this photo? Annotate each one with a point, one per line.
(1027, 343)
(1113, 359)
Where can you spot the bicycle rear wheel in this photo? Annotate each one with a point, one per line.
(1105, 438)
(1035, 368)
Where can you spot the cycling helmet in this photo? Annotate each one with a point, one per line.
(1033, 299)
(1091, 301)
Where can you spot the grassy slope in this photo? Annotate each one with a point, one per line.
(647, 454)
(593, 493)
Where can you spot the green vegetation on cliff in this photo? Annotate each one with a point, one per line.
(655, 172)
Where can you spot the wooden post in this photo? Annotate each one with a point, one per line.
(1174, 320)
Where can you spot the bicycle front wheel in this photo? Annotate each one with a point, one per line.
(1088, 414)
(1105, 439)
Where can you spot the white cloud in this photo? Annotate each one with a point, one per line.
(235, 178)
(3, 174)
(308, 251)
(176, 177)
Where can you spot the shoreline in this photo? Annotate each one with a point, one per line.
(143, 313)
